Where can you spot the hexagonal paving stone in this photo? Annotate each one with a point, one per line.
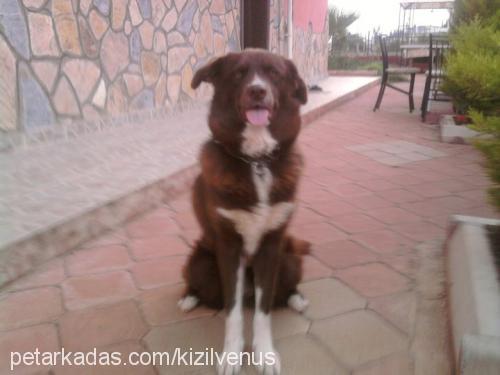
(160, 306)
(400, 364)
(97, 259)
(358, 337)
(284, 323)
(373, 279)
(154, 273)
(49, 273)
(157, 247)
(89, 290)
(13, 312)
(341, 254)
(195, 335)
(87, 329)
(42, 337)
(313, 269)
(329, 297)
(302, 354)
(399, 309)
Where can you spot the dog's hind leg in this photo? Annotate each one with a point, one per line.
(202, 279)
(290, 274)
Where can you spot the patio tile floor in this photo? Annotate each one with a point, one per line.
(370, 222)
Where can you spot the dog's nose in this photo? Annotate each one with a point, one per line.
(256, 92)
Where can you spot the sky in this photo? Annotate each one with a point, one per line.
(384, 13)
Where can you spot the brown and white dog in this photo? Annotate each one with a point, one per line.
(245, 196)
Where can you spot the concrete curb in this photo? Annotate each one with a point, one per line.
(24, 255)
(474, 295)
(452, 133)
(316, 113)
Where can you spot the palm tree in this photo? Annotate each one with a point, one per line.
(338, 22)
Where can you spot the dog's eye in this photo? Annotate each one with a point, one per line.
(238, 75)
(273, 73)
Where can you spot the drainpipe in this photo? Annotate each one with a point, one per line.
(289, 36)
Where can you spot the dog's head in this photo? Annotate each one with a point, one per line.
(257, 94)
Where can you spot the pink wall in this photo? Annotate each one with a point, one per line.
(305, 11)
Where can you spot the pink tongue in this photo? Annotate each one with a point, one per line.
(258, 117)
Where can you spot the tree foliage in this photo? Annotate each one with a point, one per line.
(338, 22)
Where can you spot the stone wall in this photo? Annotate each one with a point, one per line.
(310, 44)
(82, 59)
(310, 52)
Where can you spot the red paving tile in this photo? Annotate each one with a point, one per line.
(384, 241)
(368, 202)
(186, 219)
(305, 215)
(157, 247)
(98, 259)
(399, 195)
(153, 273)
(377, 184)
(86, 329)
(29, 307)
(428, 190)
(49, 273)
(392, 215)
(42, 337)
(313, 269)
(373, 280)
(356, 223)
(116, 237)
(332, 207)
(348, 190)
(84, 291)
(153, 225)
(342, 254)
(405, 263)
(318, 233)
(419, 231)
(399, 309)
(159, 306)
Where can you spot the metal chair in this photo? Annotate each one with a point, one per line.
(438, 47)
(388, 71)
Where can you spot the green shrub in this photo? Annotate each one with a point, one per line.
(490, 148)
(485, 124)
(473, 68)
(473, 77)
(467, 10)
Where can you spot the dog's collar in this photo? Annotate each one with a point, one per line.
(257, 162)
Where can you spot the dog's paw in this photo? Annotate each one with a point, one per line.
(297, 302)
(228, 367)
(230, 358)
(188, 303)
(267, 361)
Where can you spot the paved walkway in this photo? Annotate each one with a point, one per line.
(374, 201)
(46, 185)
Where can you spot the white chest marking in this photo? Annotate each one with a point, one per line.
(257, 140)
(261, 218)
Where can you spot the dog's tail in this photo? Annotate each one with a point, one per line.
(297, 246)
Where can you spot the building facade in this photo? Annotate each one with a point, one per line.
(81, 60)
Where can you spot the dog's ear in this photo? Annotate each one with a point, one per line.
(208, 72)
(300, 92)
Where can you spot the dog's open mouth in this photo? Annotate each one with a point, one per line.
(258, 116)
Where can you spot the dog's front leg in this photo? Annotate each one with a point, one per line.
(232, 269)
(266, 266)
